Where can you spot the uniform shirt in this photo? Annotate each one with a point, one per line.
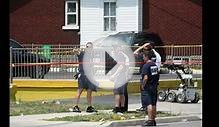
(151, 70)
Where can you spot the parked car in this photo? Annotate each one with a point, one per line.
(25, 62)
(135, 39)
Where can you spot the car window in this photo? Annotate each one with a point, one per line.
(127, 38)
(15, 44)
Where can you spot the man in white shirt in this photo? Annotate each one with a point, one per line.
(149, 46)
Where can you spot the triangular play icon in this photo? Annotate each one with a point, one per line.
(109, 63)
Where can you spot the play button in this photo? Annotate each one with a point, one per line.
(107, 65)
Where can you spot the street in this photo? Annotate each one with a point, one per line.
(177, 124)
(69, 75)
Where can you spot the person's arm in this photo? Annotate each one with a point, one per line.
(137, 50)
(76, 51)
(158, 58)
(144, 82)
(118, 70)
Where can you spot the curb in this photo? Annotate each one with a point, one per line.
(159, 120)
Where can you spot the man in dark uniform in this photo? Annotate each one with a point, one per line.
(149, 83)
(148, 46)
(84, 82)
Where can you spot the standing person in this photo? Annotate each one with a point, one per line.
(84, 82)
(157, 59)
(149, 46)
(149, 83)
(119, 77)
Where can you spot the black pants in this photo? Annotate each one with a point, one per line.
(126, 97)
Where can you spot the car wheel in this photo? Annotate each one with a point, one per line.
(196, 99)
(181, 98)
(171, 97)
(161, 95)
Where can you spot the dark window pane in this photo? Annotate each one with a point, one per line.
(113, 24)
(71, 7)
(71, 20)
(113, 9)
(106, 8)
(106, 24)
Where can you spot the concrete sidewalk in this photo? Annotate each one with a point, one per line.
(187, 110)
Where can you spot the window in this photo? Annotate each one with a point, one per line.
(71, 15)
(109, 16)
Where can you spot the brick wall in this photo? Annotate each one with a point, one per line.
(40, 21)
(177, 22)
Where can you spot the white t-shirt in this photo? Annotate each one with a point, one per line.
(158, 59)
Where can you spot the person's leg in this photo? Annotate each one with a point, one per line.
(151, 108)
(89, 97)
(117, 100)
(150, 112)
(90, 108)
(154, 112)
(76, 108)
(126, 97)
(122, 100)
(151, 118)
(79, 91)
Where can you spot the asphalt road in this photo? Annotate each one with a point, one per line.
(69, 75)
(177, 124)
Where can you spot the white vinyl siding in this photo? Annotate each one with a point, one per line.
(127, 15)
(140, 15)
(92, 18)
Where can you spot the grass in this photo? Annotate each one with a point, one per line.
(37, 107)
(103, 116)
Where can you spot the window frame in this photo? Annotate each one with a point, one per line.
(109, 16)
(71, 26)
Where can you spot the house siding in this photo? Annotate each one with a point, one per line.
(40, 22)
(92, 18)
(178, 22)
(127, 15)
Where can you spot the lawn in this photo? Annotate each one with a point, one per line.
(105, 116)
(42, 107)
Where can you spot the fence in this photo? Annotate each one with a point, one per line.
(61, 62)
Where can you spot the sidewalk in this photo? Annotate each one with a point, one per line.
(187, 110)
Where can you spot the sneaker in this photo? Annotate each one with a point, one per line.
(122, 109)
(116, 109)
(141, 109)
(76, 109)
(150, 123)
(91, 109)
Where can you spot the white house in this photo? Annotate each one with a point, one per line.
(99, 18)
